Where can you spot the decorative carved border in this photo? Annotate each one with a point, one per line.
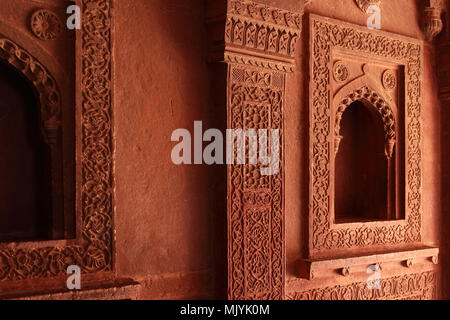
(420, 286)
(94, 248)
(43, 81)
(325, 35)
(256, 202)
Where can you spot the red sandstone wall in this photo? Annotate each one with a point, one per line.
(166, 216)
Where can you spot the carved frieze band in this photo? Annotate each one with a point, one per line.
(258, 35)
(255, 202)
(420, 286)
(325, 36)
(94, 251)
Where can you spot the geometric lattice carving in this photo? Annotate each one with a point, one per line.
(328, 35)
(420, 286)
(92, 250)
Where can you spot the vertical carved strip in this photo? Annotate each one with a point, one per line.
(259, 44)
(255, 214)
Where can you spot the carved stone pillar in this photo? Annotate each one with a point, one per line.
(257, 44)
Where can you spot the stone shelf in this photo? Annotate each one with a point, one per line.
(320, 268)
(108, 289)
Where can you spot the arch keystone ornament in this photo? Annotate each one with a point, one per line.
(258, 42)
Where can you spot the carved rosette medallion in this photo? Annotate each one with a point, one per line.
(389, 80)
(365, 4)
(258, 45)
(340, 71)
(45, 25)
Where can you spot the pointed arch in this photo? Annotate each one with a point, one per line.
(43, 82)
(372, 99)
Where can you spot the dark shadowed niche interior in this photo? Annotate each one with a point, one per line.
(365, 177)
(25, 173)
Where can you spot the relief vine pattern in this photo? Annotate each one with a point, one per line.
(255, 204)
(420, 286)
(94, 251)
(325, 36)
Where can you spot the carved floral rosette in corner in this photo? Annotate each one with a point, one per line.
(327, 35)
(258, 44)
(94, 250)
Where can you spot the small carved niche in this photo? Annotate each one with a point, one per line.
(364, 170)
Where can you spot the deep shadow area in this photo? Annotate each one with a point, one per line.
(25, 177)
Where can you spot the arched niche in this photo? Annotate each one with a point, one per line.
(31, 142)
(365, 165)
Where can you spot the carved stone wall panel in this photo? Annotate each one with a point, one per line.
(328, 36)
(93, 248)
(255, 206)
(258, 44)
(420, 286)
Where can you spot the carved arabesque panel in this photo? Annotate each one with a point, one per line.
(255, 206)
(93, 251)
(327, 35)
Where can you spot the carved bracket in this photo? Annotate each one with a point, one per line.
(431, 22)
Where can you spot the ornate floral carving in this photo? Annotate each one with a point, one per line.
(389, 80)
(93, 253)
(340, 71)
(365, 4)
(45, 84)
(45, 25)
(255, 205)
(326, 35)
(420, 286)
(257, 35)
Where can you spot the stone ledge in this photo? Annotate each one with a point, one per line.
(311, 269)
(117, 289)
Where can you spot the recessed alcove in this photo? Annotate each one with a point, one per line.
(364, 174)
(25, 162)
